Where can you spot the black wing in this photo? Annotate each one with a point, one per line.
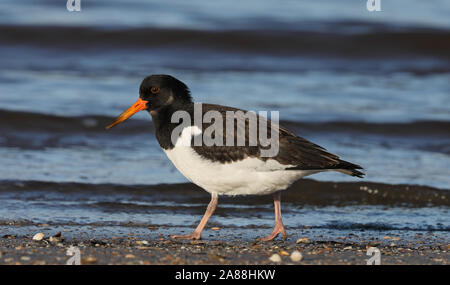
(295, 153)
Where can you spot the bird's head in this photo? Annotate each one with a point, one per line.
(155, 93)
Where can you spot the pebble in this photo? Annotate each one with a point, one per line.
(296, 256)
(275, 258)
(303, 240)
(38, 236)
(129, 256)
(9, 236)
(215, 228)
(88, 260)
(283, 252)
(25, 258)
(53, 239)
(142, 242)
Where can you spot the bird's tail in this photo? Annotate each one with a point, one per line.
(349, 168)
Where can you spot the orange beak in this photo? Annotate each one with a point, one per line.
(139, 105)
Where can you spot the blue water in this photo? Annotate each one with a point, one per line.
(222, 14)
(353, 81)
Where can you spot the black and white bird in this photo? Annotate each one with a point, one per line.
(228, 170)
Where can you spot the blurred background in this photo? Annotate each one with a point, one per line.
(372, 87)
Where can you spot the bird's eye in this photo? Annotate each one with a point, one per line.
(154, 90)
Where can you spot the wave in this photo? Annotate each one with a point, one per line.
(18, 121)
(381, 227)
(349, 226)
(348, 39)
(303, 192)
(38, 123)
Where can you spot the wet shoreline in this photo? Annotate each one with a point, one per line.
(317, 210)
(302, 192)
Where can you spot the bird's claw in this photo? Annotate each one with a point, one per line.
(276, 231)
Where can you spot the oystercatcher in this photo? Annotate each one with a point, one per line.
(228, 169)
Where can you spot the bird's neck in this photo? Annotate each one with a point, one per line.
(162, 121)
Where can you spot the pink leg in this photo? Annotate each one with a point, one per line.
(196, 234)
(279, 227)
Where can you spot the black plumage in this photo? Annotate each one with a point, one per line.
(295, 151)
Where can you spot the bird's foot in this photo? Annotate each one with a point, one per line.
(279, 228)
(193, 236)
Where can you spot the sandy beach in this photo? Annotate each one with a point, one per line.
(129, 250)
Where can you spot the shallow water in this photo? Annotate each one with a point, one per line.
(105, 209)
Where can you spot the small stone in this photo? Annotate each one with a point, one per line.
(25, 258)
(347, 248)
(38, 237)
(283, 252)
(88, 260)
(129, 256)
(9, 236)
(53, 239)
(275, 258)
(387, 237)
(296, 256)
(142, 242)
(215, 228)
(327, 248)
(303, 240)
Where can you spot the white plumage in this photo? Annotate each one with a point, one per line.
(250, 176)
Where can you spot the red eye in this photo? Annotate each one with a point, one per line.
(154, 90)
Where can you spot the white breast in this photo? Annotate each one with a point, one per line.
(250, 176)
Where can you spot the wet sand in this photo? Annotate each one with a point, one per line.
(130, 250)
(114, 224)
